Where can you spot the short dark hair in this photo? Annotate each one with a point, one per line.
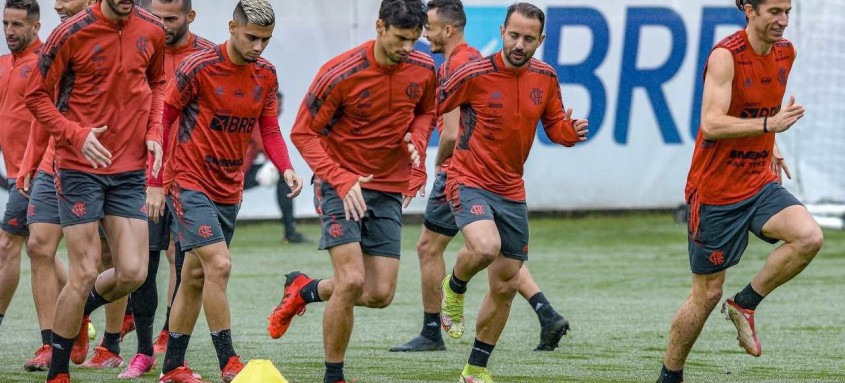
(754, 5)
(258, 12)
(450, 10)
(528, 10)
(33, 11)
(405, 14)
(186, 4)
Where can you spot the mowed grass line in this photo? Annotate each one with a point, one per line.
(619, 280)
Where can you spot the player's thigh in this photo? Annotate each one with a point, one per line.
(718, 235)
(474, 215)
(159, 232)
(438, 216)
(503, 275)
(80, 197)
(381, 227)
(780, 216)
(348, 263)
(126, 195)
(512, 222)
(380, 275)
(82, 242)
(128, 240)
(43, 203)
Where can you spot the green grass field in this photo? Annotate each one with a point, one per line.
(617, 279)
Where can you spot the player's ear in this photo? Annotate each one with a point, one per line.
(379, 26)
(192, 14)
(232, 27)
(36, 26)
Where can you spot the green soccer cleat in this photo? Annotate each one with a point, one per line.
(475, 374)
(92, 332)
(452, 310)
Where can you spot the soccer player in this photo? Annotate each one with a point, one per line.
(100, 97)
(221, 96)
(731, 189)
(48, 273)
(507, 93)
(445, 32)
(21, 22)
(176, 15)
(361, 127)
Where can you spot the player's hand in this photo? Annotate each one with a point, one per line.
(96, 154)
(412, 150)
(27, 182)
(581, 126)
(779, 166)
(788, 115)
(155, 203)
(416, 187)
(353, 203)
(267, 175)
(294, 182)
(155, 148)
(407, 201)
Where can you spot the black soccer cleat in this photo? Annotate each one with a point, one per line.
(550, 335)
(420, 343)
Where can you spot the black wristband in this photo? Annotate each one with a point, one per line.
(765, 122)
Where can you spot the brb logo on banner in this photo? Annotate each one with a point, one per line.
(482, 32)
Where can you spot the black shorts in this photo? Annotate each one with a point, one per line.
(438, 215)
(160, 232)
(43, 203)
(511, 217)
(379, 231)
(14, 219)
(85, 197)
(198, 220)
(718, 234)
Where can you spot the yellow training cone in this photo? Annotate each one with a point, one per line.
(260, 371)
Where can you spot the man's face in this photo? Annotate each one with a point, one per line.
(770, 19)
(396, 42)
(175, 20)
(250, 40)
(520, 39)
(435, 32)
(121, 8)
(19, 30)
(68, 8)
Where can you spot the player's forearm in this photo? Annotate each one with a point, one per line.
(155, 124)
(444, 150)
(323, 166)
(719, 127)
(274, 146)
(54, 123)
(168, 118)
(562, 133)
(421, 127)
(36, 145)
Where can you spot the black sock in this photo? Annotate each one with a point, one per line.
(668, 376)
(310, 292)
(95, 300)
(544, 310)
(46, 336)
(144, 329)
(748, 298)
(166, 326)
(144, 302)
(1, 318)
(334, 373)
(480, 353)
(457, 285)
(223, 345)
(431, 327)
(61, 356)
(177, 345)
(111, 342)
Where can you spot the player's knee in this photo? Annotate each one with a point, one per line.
(379, 299)
(39, 252)
(810, 242)
(85, 275)
(504, 289)
(220, 268)
(349, 284)
(486, 249)
(9, 247)
(426, 250)
(132, 279)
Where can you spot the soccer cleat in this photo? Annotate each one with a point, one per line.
(41, 360)
(743, 320)
(128, 325)
(550, 335)
(420, 343)
(102, 359)
(80, 345)
(452, 310)
(292, 304)
(233, 367)
(180, 375)
(60, 378)
(475, 374)
(92, 332)
(160, 345)
(138, 366)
